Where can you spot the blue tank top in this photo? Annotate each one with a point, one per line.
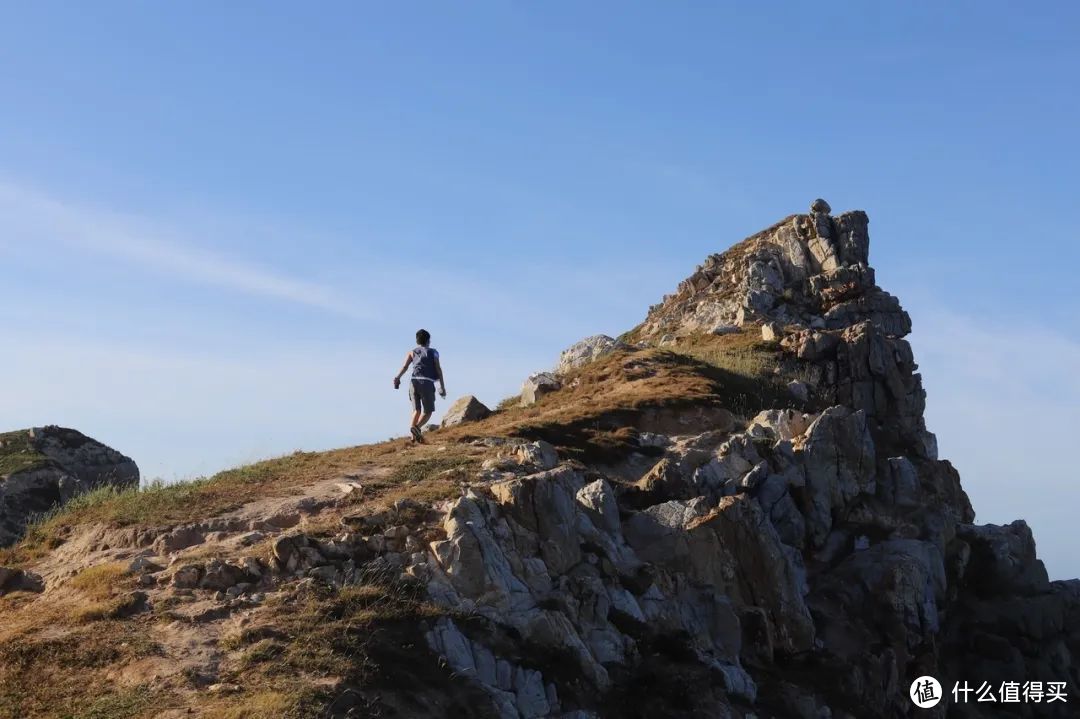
(424, 363)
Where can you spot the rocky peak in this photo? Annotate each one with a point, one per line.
(809, 270)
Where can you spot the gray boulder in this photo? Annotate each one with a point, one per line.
(585, 351)
(536, 386)
(465, 409)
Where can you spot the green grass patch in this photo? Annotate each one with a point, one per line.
(18, 454)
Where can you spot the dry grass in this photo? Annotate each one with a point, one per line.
(263, 704)
(421, 472)
(307, 646)
(101, 580)
(594, 416)
(53, 674)
(104, 590)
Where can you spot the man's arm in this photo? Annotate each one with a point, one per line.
(404, 367)
(438, 371)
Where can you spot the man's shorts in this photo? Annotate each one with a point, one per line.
(422, 395)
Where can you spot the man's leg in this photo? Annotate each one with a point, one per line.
(416, 399)
(427, 403)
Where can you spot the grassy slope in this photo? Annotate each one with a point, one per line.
(64, 660)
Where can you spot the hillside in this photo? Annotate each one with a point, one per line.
(735, 510)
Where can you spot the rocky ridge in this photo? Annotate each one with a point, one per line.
(808, 558)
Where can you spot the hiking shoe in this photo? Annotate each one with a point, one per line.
(416, 436)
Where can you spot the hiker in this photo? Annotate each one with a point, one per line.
(426, 370)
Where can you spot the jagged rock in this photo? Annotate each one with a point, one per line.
(1003, 559)
(810, 345)
(599, 501)
(779, 424)
(536, 386)
(774, 495)
(585, 351)
(221, 575)
(465, 409)
(901, 483)
(838, 460)
(44, 467)
(538, 454)
(771, 332)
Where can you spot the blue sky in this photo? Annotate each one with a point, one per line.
(220, 224)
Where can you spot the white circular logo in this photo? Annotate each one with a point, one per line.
(925, 692)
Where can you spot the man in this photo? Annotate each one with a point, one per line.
(426, 371)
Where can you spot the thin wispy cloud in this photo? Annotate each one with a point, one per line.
(27, 215)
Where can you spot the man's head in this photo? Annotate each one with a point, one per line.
(423, 337)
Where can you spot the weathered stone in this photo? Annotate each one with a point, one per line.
(599, 502)
(187, 576)
(538, 454)
(143, 565)
(1003, 559)
(585, 351)
(177, 539)
(465, 409)
(771, 332)
(780, 424)
(536, 386)
(838, 458)
(221, 575)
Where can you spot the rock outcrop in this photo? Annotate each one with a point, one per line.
(584, 351)
(810, 564)
(44, 467)
(772, 539)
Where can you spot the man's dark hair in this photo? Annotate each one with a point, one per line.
(423, 337)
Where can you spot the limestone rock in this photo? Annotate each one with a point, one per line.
(465, 409)
(536, 386)
(838, 458)
(585, 351)
(538, 454)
